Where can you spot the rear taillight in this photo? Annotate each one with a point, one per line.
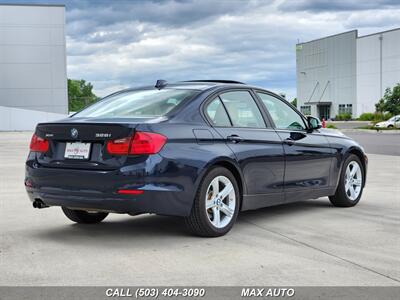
(39, 144)
(140, 143)
(147, 143)
(119, 147)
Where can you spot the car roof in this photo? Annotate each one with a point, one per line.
(200, 85)
(203, 85)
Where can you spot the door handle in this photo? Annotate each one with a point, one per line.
(289, 141)
(234, 138)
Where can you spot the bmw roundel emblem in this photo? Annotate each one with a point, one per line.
(74, 133)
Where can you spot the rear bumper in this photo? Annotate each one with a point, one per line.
(163, 203)
(164, 192)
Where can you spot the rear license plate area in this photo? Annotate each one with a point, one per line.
(77, 150)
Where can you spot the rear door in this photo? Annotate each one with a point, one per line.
(308, 154)
(237, 118)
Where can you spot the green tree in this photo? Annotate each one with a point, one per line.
(294, 102)
(390, 101)
(80, 94)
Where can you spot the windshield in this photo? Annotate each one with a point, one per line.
(139, 103)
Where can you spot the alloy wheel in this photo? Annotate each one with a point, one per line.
(220, 201)
(353, 180)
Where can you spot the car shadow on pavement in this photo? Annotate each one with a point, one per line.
(285, 210)
(131, 230)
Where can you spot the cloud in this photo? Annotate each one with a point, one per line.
(117, 44)
(374, 21)
(335, 6)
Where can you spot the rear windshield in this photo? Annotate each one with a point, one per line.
(140, 103)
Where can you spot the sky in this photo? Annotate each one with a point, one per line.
(116, 44)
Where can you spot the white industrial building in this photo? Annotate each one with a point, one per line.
(346, 72)
(33, 79)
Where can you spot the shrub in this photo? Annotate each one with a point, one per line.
(387, 116)
(379, 117)
(375, 117)
(343, 117)
(366, 117)
(331, 126)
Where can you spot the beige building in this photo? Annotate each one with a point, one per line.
(346, 72)
(33, 80)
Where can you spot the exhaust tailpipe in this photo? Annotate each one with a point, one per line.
(39, 204)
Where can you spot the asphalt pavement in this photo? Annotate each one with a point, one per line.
(305, 243)
(383, 142)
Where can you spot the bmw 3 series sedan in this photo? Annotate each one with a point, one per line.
(202, 150)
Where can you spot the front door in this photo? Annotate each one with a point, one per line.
(308, 162)
(258, 149)
(308, 156)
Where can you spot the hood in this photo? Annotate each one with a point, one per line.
(332, 132)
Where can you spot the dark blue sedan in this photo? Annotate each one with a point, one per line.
(202, 150)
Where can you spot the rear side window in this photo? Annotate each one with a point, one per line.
(139, 103)
(217, 113)
(242, 109)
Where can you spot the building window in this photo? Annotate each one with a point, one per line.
(306, 110)
(345, 109)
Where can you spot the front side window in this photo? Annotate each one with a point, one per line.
(217, 113)
(136, 104)
(282, 114)
(242, 109)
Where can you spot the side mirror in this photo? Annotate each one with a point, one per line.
(313, 123)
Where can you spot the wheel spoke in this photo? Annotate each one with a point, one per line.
(210, 204)
(226, 191)
(347, 187)
(216, 216)
(357, 182)
(352, 193)
(215, 186)
(348, 173)
(354, 170)
(227, 210)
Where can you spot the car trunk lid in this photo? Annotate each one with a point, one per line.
(82, 145)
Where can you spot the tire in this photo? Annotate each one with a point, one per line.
(205, 222)
(84, 217)
(343, 196)
(390, 126)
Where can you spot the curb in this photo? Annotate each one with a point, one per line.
(372, 131)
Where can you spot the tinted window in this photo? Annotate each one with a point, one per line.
(217, 113)
(242, 109)
(282, 114)
(141, 103)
